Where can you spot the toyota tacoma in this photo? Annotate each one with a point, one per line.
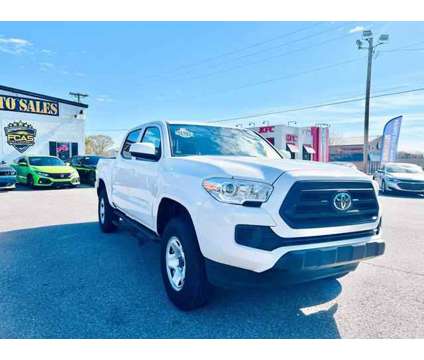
(228, 209)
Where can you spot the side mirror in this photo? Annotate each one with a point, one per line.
(143, 150)
(22, 163)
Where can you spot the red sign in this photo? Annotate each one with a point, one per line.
(266, 129)
(291, 138)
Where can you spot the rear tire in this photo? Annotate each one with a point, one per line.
(183, 265)
(105, 212)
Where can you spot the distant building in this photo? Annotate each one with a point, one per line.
(303, 143)
(352, 150)
(412, 158)
(37, 124)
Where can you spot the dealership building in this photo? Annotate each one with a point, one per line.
(302, 143)
(37, 124)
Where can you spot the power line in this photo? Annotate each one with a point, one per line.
(259, 61)
(289, 76)
(235, 51)
(339, 102)
(334, 103)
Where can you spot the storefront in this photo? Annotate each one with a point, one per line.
(36, 124)
(303, 143)
(349, 150)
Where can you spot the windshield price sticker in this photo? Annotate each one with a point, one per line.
(184, 133)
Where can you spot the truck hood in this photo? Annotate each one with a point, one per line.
(53, 169)
(267, 170)
(405, 176)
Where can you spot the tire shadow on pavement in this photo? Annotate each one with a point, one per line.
(72, 281)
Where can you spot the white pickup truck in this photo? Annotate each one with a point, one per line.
(228, 209)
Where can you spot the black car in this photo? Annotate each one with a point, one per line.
(7, 177)
(86, 166)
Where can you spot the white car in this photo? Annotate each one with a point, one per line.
(400, 177)
(228, 209)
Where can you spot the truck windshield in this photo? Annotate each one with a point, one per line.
(189, 140)
(45, 161)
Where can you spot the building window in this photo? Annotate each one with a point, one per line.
(74, 149)
(63, 150)
(271, 140)
(52, 148)
(293, 150)
(307, 152)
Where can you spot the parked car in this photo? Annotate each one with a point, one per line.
(228, 209)
(45, 171)
(346, 164)
(7, 176)
(86, 166)
(400, 177)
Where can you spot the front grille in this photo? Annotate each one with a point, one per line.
(411, 185)
(59, 176)
(309, 204)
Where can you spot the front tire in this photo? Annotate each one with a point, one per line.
(383, 187)
(30, 182)
(105, 212)
(183, 266)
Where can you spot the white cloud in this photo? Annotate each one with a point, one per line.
(44, 66)
(47, 52)
(356, 29)
(14, 46)
(104, 98)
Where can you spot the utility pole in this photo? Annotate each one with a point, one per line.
(368, 37)
(78, 96)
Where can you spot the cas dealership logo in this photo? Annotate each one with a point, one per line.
(20, 135)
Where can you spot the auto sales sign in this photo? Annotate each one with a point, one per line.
(28, 105)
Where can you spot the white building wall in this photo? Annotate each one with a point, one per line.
(284, 134)
(63, 128)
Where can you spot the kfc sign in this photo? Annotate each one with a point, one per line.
(290, 138)
(266, 129)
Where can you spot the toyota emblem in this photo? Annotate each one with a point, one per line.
(342, 201)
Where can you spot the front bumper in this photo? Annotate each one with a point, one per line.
(401, 187)
(216, 224)
(297, 266)
(42, 181)
(7, 182)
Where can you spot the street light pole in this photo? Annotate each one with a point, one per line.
(367, 35)
(367, 104)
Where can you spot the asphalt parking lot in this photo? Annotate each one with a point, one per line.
(62, 278)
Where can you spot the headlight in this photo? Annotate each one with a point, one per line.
(42, 173)
(392, 179)
(237, 191)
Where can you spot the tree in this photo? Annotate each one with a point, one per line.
(98, 144)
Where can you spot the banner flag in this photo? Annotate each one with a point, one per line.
(390, 140)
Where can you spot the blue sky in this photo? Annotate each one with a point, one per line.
(137, 72)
